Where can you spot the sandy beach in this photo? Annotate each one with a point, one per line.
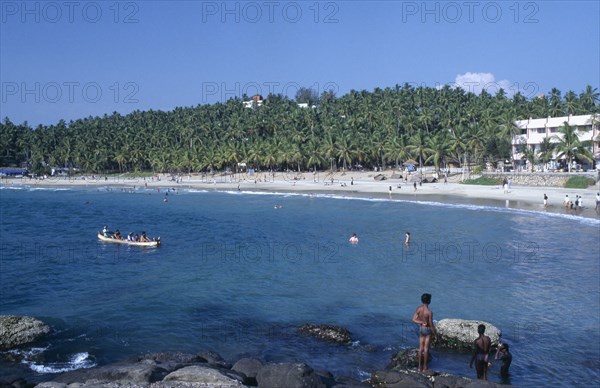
(350, 183)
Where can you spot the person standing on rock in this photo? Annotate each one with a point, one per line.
(424, 318)
(481, 351)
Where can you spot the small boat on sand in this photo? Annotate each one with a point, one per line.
(153, 243)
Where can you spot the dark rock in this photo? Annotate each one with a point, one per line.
(249, 367)
(11, 357)
(15, 330)
(330, 333)
(450, 381)
(326, 377)
(483, 384)
(171, 361)
(347, 382)
(207, 375)
(214, 359)
(168, 357)
(400, 379)
(288, 376)
(145, 371)
(15, 382)
(407, 358)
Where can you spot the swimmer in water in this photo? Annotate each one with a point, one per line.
(353, 239)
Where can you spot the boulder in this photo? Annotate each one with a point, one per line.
(347, 382)
(15, 330)
(445, 380)
(15, 382)
(288, 375)
(214, 359)
(330, 333)
(143, 372)
(399, 379)
(406, 359)
(172, 357)
(459, 334)
(206, 375)
(249, 367)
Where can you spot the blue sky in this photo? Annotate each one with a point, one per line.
(67, 60)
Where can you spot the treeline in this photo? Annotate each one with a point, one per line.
(379, 128)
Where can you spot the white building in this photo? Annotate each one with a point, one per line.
(533, 131)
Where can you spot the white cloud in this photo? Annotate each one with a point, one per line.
(476, 82)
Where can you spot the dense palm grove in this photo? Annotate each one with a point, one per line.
(379, 128)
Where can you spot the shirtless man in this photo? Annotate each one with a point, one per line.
(504, 355)
(424, 318)
(481, 351)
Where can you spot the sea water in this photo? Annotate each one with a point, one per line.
(239, 272)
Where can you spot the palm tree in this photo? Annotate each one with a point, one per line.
(395, 149)
(313, 153)
(589, 99)
(416, 145)
(530, 155)
(570, 146)
(345, 151)
(437, 148)
(546, 150)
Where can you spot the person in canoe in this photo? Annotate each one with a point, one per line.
(118, 235)
(144, 238)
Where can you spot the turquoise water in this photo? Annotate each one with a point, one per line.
(238, 276)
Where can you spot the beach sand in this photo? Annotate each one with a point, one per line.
(351, 184)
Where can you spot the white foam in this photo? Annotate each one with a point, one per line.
(583, 220)
(76, 361)
(14, 187)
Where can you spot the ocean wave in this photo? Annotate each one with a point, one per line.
(76, 361)
(50, 189)
(466, 206)
(2, 187)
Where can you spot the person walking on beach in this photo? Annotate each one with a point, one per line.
(597, 201)
(481, 351)
(566, 201)
(423, 317)
(545, 200)
(390, 191)
(415, 186)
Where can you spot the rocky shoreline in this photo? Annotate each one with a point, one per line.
(209, 369)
